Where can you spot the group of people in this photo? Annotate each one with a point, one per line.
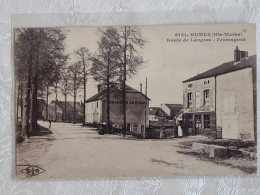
(103, 127)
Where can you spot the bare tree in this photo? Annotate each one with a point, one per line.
(129, 39)
(64, 87)
(83, 56)
(105, 66)
(76, 81)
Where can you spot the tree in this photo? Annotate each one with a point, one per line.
(76, 81)
(83, 56)
(64, 86)
(129, 39)
(36, 51)
(105, 66)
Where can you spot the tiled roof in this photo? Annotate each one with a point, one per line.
(225, 68)
(102, 93)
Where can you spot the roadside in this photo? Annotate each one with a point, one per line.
(234, 159)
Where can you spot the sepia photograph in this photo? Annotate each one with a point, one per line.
(135, 101)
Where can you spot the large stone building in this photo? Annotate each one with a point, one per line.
(137, 109)
(221, 102)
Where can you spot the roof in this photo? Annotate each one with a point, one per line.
(225, 68)
(159, 111)
(174, 106)
(152, 112)
(102, 93)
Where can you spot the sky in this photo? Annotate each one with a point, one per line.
(167, 64)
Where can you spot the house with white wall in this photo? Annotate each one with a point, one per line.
(221, 102)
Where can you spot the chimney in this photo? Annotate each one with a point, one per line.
(239, 55)
(100, 87)
(236, 55)
(141, 87)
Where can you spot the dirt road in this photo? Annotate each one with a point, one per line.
(73, 151)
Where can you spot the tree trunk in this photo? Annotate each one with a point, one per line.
(84, 96)
(56, 97)
(34, 109)
(74, 109)
(17, 100)
(124, 81)
(21, 100)
(26, 118)
(108, 98)
(65, 109)
(47, 103)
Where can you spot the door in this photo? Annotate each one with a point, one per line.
(229, 117)
(128, 126)
(198, 124)
(229, 126)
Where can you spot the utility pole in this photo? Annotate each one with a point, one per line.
(145, 117)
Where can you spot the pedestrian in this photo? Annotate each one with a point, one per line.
(111, 126)
(162, 133)
(180, 133)
(49, 124)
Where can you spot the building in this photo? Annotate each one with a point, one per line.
(153, 115)
(137, 111)
(171, 109)
(58, 113)
(221, 102)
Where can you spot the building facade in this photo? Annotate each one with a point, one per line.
(137, 109)
(221, 102)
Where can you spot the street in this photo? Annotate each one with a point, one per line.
(73, 151)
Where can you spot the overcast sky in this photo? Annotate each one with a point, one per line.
(169, 63)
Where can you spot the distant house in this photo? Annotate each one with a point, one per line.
(137, 111)
(59, 115)
(159, 112)
(221, 102)
(171, 109)
(153, 115)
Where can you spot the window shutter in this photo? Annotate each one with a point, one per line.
(185, 100)
(211, 97)
(201, 98)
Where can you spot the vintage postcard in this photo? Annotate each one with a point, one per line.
(135, 101)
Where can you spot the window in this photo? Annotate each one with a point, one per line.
(97, 104)
(206, 82)
(189, 85)
(206, 97)
(189, 100)
(206, 121)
